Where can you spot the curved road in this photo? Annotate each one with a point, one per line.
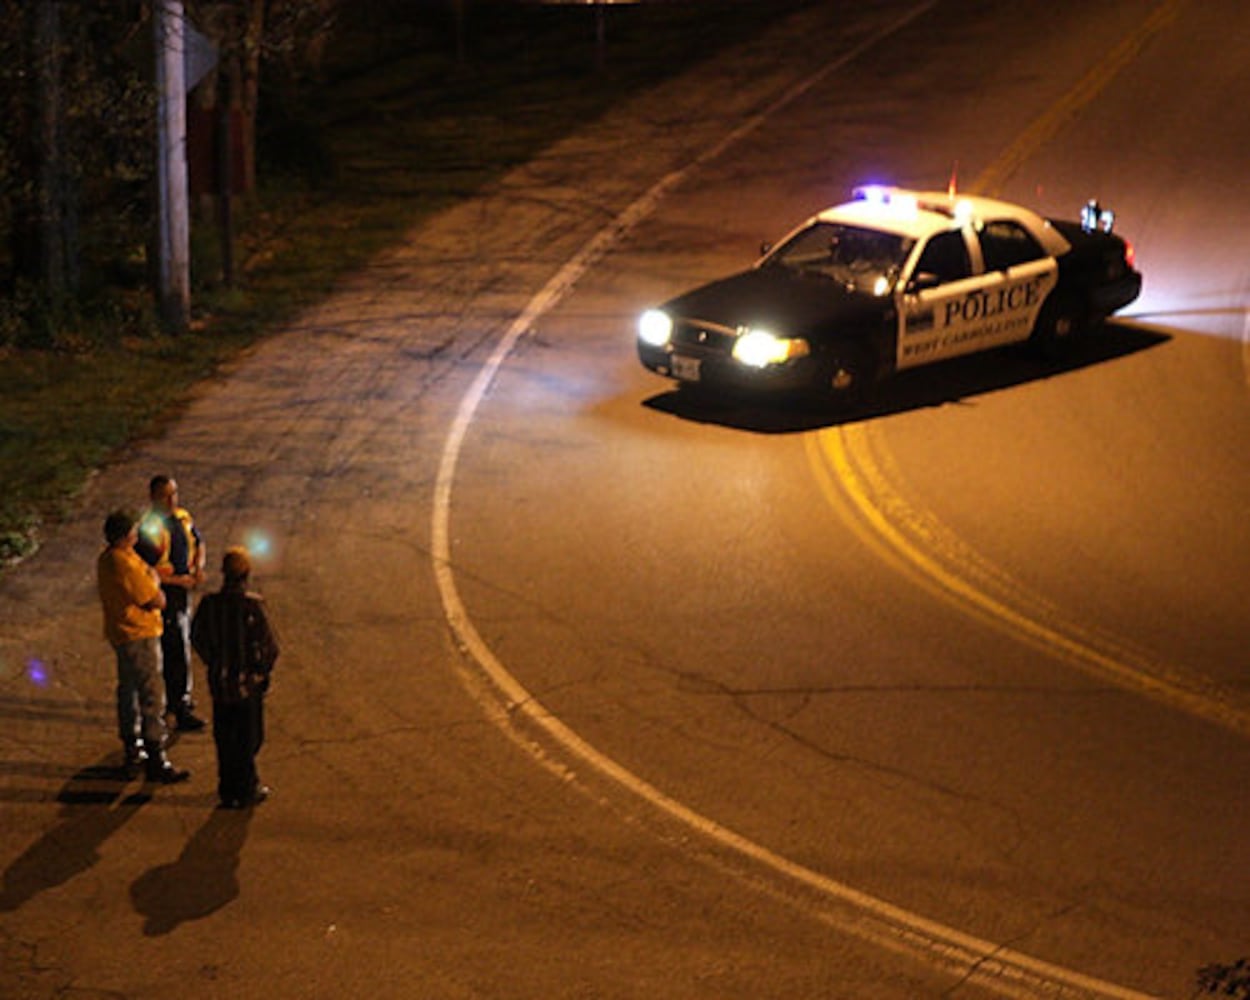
(591, 691)
(981, 655)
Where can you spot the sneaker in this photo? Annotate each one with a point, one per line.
(259, 794)
(164, 773)
(136, 757)
(189, 723)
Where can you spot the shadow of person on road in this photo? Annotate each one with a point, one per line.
(94, 806)
(200, 882)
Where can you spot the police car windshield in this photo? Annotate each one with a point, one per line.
(857, 258)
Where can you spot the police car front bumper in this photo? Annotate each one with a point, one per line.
(716, 370)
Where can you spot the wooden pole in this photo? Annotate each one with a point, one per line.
(173, 213)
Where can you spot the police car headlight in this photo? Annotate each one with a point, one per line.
(655, 327)
(759, 348)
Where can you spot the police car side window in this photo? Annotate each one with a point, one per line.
(1006, 244)
(946, 257)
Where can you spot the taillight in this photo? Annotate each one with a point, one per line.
(1130, 255)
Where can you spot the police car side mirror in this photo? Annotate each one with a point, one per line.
(923, 281)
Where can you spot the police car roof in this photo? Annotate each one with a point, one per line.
(920, 214)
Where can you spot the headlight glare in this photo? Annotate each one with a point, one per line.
(759, 348)
(654, 327)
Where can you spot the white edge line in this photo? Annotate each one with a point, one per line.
(1245, 346)
(976, 953)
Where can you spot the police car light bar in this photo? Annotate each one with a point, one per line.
(877, 194)
(885, 196)
(960, 210)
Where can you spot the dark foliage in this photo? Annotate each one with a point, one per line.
(75, 164)
(1226, 980)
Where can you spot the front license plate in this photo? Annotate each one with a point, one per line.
(686, 369)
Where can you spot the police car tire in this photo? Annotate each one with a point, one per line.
(847, 371)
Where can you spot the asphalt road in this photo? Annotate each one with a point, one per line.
(593, 691)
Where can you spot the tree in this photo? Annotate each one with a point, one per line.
(43, 219)
(283, 40)
(70, 182)
(1226, 980)
(78, 191)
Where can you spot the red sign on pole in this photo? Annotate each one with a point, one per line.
(203, 153)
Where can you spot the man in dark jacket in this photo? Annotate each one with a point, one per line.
(169, 541)
(232, 635)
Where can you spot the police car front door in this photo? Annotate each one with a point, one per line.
(930, 323)
(946, 273)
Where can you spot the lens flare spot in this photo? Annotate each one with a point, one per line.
(37, 672)
(258, 543)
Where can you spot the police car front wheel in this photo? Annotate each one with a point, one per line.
(846, 372)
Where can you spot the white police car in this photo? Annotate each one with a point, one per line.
(890, 280)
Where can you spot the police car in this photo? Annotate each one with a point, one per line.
(892, 279)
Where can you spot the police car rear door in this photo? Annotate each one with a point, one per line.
(1025, 274)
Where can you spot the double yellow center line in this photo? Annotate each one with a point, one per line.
(853, 467)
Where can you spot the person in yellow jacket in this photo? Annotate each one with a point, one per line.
(132, 601)
(169, 541)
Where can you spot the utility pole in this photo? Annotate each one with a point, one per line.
(173, 217)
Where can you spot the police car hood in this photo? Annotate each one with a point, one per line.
(780, 300)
